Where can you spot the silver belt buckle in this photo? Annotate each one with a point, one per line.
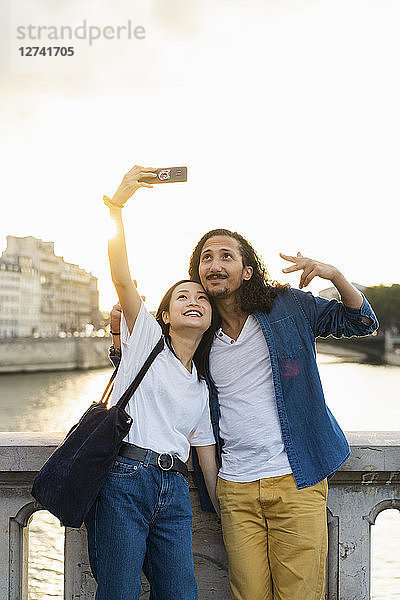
(159, 459)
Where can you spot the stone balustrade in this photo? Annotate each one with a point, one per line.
(367, 484)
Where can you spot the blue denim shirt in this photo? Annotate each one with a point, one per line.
(315, 444)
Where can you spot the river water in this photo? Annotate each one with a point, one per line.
(361, 396)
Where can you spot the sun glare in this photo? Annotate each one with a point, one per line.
(111, 230)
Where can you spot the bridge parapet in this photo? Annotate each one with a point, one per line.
(367, 484)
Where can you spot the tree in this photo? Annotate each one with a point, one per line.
(385, 300)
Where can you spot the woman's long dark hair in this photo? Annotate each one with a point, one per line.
(259, 292)
(200, 357)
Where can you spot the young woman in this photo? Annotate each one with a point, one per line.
(142, 516)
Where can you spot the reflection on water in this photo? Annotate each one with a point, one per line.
(385, 567)
(46, 557)
(361, 396)
(48, 401)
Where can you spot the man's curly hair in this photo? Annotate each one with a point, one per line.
(259, 292)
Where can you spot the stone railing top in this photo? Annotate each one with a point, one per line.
(26, 451)
(34, 438)
(374, 438)
(371, 450)
(30, 438)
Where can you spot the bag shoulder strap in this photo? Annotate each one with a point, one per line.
(109, 387)
(126, 396)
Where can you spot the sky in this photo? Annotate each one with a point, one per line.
(285, 113)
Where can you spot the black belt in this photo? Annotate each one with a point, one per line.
(165, 461)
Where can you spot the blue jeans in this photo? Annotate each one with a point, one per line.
(142, 519)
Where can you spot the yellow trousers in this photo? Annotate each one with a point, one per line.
(276, 538)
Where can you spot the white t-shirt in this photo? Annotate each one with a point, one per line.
(170, 408)
(249, 424)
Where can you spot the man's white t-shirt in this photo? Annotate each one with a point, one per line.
(170, 408)
(249, 425)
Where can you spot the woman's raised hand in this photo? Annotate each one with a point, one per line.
(130, 183)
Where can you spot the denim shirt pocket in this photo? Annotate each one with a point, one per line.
(287, 337)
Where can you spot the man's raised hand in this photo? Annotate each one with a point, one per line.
(311, 268)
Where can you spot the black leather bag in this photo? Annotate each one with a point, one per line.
(68, 483)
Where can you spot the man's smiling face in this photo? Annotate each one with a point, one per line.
(221, 267)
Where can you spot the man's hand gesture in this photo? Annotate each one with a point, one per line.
(311, 268)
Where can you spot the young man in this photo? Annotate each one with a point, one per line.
(277, 439)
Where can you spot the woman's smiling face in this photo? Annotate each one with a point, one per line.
(189, 307)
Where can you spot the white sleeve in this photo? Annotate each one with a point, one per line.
(203, 433)
(145, 334)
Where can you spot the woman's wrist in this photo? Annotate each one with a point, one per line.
(113, 206)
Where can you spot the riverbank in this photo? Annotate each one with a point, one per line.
(379, 349)
(18, 355)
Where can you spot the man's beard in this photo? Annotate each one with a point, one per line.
(221, 293)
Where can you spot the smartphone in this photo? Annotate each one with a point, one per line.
(167, 175)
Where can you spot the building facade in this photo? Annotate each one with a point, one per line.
(41, 294)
